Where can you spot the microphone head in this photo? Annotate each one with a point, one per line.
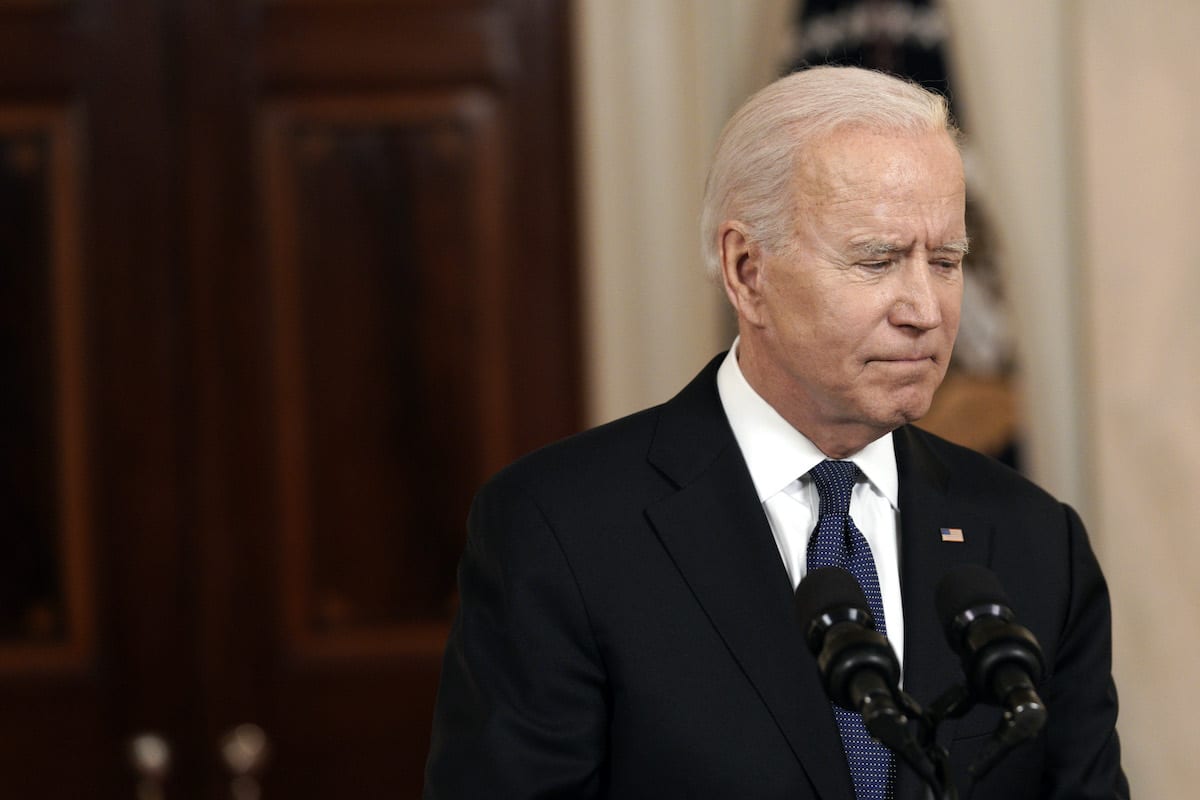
(967, 590)
(826, 596)
(967, 585)
(980, 626)
(840, 632)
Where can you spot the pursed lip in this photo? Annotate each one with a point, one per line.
(905, 359)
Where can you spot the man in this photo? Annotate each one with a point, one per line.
(627, 626)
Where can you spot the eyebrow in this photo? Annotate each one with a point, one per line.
(960, 246)
(878, 247)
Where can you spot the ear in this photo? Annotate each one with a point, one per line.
(741, 270)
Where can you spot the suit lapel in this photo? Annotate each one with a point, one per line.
(927, 505)
(715, 531)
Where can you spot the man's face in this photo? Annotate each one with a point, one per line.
(848, 331)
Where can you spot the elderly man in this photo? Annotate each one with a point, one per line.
(627, 625)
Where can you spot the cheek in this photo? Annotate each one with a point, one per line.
(797, 320)
(951, 318)
(950, 300)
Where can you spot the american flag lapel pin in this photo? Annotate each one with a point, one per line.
(952, 535)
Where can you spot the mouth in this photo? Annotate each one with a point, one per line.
(906, 360)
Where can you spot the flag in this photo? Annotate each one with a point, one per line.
(952, 535)
(903, 37)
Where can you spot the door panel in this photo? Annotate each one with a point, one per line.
(382, 229)
(382, 226)
(45, 592)
(47, 602)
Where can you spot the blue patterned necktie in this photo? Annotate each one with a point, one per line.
(838, 543)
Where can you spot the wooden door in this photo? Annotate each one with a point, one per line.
(93, 637)
(287, 279)
(380, 245)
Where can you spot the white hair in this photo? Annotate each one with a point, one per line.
(751, 176)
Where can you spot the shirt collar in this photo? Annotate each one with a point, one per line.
(776, 453)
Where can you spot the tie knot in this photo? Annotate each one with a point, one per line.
(835, 482)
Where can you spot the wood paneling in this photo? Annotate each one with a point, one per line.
(384, 44)
(286, 280)
(382, 217)
(82, 118)
(46, 604)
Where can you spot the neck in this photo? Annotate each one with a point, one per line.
(840, 442)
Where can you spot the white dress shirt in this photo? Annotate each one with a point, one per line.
(779, 458)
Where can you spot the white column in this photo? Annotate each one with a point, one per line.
(1138, 73)
(1088, 116)
(1011, 62)
(656, 79)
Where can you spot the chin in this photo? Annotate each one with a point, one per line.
(908, 412)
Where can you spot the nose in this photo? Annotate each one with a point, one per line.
(918, 300)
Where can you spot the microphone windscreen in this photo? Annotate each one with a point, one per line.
(967, 586)
(827, 589)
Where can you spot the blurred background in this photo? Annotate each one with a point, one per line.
(282, 281)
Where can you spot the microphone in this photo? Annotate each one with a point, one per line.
(858, 667)
(1003, 661)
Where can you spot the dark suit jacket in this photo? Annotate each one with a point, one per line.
(627, 626)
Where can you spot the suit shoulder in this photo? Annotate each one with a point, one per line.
(981, 475)
(590, 457)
